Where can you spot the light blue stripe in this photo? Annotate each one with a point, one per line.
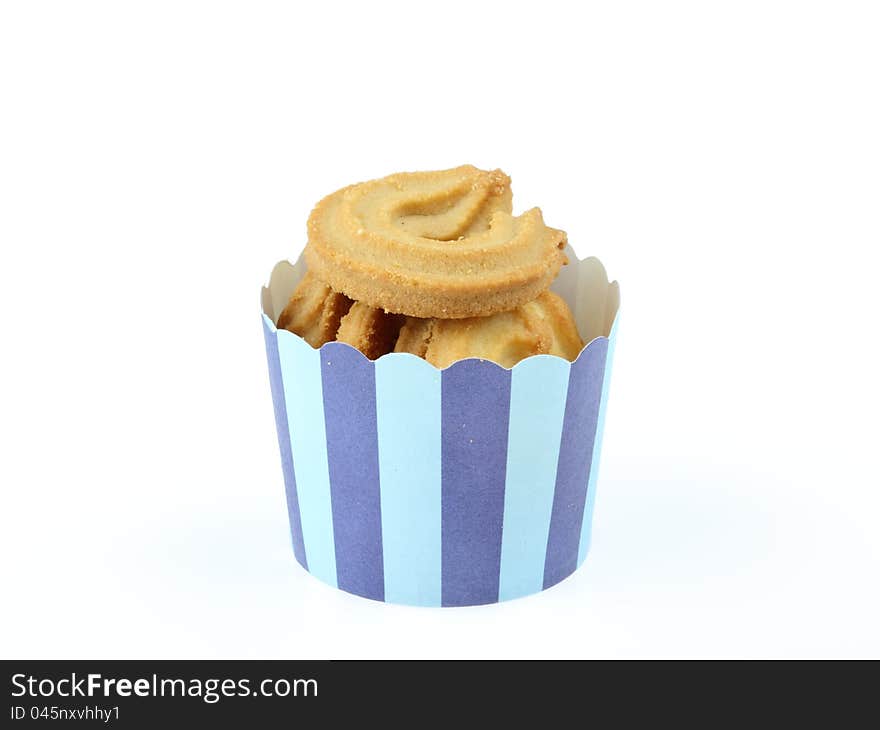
(303, 395)
(538, 391)
(408, 424)
(587, 526)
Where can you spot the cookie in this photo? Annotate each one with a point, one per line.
(544, 326)
(433, 244)
(314, 311)
(372, 331)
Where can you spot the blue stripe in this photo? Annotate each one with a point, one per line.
(537, 408)
(575, 456)
(277, 385)
(475, 409)
(349, 387)
(408, 425)
(587, 527)
(301, 370)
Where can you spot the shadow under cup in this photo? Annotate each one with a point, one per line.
(468, 485)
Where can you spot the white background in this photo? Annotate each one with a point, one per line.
(722, 159)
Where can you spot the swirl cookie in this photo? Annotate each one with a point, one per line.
(433, 244)
(314, 311)
(541, 327)
(370, 330)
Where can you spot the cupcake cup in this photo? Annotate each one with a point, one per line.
(468, 485)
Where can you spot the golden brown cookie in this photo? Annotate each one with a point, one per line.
(543, 326)
(433, 244)
(314, 311)
(552, 311)
(370, 330)
(415, 336)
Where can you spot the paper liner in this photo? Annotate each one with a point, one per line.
(468, 485)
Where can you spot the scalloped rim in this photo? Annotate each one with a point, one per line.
(594, 301)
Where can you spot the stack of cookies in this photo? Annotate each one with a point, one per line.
(433, 264)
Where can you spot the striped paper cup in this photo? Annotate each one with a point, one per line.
(468, 485)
